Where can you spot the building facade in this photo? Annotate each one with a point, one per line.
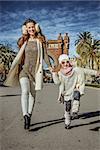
(59, 46)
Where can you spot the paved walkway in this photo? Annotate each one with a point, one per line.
(47, 130)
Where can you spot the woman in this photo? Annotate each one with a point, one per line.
(71, 82)
(28, 67)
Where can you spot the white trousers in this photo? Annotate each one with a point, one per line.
(75, 106)
(27, 96)
(67, 109)
(70, 107)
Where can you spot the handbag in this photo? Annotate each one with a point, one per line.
(76, 95)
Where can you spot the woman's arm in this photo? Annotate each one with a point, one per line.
(44, 46)
(46, 57)
(21, 40)
(18, 56)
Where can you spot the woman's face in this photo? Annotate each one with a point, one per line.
(65, 64)
(31, 28)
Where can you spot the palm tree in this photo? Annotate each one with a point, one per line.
(7, 55)
(87, 48)
(83, 37)
(98, 60)
(91, 54)
(81, 42)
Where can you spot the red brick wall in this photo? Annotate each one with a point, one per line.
(58, 51)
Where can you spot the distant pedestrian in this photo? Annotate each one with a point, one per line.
(71, 81)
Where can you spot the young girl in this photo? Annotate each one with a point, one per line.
(27, 67)
(71, 82)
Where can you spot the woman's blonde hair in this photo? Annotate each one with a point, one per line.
(25, 35)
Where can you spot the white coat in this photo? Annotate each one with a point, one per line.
(12, 78)
(80, 73)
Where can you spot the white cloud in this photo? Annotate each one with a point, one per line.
(61, 19)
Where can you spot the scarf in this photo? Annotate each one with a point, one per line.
(67, 71)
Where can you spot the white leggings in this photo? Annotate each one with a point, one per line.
(70, 107)
(27, 97)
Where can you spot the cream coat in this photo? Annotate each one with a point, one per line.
(13, 79)
(80, 73)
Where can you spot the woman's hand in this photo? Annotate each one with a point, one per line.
(51, 69)
(98, 74)
(54, 69)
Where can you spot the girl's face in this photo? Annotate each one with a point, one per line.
(31, 28)
(65, 64)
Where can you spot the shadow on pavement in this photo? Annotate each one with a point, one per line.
(10, 95)
(95, 129)
(51, 122)
(79, 125)
(89, 114)
(1, 85)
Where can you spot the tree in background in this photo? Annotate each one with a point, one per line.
(7, 56)
(89, 50)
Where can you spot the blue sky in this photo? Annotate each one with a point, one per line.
(54, 17)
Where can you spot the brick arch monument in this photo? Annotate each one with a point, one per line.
(59, 46)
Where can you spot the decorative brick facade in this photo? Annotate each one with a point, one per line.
(59, 46)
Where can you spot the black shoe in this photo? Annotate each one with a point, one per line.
(74, 116)
(26, 122)
(67, 126)
(29, 119)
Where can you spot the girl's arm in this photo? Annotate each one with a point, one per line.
(91, 72)
(55, 76)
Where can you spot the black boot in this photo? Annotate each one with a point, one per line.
(26, 122)
(30, 119)
(67, 126)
